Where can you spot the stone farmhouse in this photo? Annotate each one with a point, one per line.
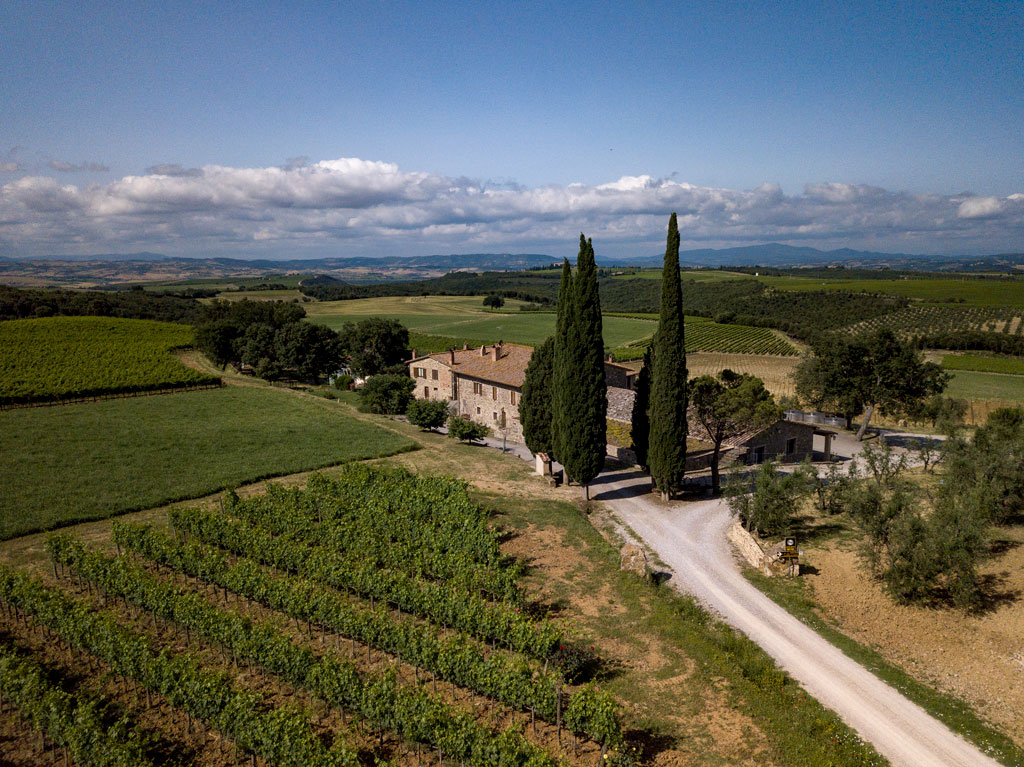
(484, 384)
(786, 441)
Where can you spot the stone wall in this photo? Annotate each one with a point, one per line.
(748, 548)
(436, 381)
(774, 442)
(490, 405)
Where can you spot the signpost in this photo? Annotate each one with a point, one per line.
(790, 557)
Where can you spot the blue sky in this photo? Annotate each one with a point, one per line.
(366, 128)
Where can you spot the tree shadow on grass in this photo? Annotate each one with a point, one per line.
(649, 744)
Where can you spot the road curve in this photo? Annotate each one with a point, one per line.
(691, 539)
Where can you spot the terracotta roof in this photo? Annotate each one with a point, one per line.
(461, 355)
(509, 368)
(699, 432)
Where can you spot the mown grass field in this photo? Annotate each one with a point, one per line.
(93, 460)
(55, 358)
(976, 292)
(702, 275)
(971, 385)
(464, 317)
(984, 364)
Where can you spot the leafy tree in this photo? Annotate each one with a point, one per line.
(428, 414)
(312, 351)
(535, 403)
(216, 339)
(579, 376)
(991, 465)
(859, 375)
(465, 430)
(666, 452)
(830, 490)
(387, 394)
(766, 505)
(373, 345)
(494, 301)
(944, 413)
(640, 429)
(729, 406)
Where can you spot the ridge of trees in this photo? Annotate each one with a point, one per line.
(16, 304)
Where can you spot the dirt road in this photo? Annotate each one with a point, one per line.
(691, 539)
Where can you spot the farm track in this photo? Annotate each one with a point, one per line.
(691, 540)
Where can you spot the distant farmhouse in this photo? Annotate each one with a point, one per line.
(485, 384)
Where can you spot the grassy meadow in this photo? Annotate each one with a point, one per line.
(92, 460)
(464, 317)
(972, 385)
(984, 364)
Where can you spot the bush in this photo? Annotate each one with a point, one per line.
(428, 414)
(494, 301)
(466, 431)
(343, 382)
(387, 394)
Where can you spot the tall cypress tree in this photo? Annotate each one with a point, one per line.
(585, 423)
(535, 406)
(640, 431)
(561, 379)
(666, 454)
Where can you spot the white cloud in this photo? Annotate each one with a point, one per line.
(980, 207)
(371, 207)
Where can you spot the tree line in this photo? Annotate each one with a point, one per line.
(16, 304)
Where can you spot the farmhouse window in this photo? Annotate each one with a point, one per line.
(791, 446)
(478, 388)
(494, 416)
(512, 397)
(494, 392)
(426, 392)
(433, 374)
(421, 372)
(478, 411)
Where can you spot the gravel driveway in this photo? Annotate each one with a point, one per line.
(690, 538)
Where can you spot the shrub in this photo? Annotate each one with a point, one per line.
(428, 414)
(387, 394)
(343, 382)
(494, 301)
(466, 431)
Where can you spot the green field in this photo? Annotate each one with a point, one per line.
(92, 460)
(463, 317)
(980, 363)
(702, 275)
(971, 385)
(944, 318)
(67, 357)
(976, 292)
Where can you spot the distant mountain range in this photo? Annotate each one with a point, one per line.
(770, 254)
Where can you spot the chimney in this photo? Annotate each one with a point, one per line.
(494, 353)
(414, 354)
(611, 358)
(465, 346)
(483, 351)
(451, 356)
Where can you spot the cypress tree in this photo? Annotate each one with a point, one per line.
(585, 421)
(535, 405)
(640, 431)
(560, 374)
(666, 453)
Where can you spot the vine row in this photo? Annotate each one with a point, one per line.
(74, 722)
(410, 712)
(502, 623)
(282, 736)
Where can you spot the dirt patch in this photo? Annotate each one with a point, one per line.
(978, 658)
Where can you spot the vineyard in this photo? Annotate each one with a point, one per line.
(365, 620)
(937, 320)
(58, 358)
(705, 336)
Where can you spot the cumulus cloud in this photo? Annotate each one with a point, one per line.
(70, 167)
(370, 207)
